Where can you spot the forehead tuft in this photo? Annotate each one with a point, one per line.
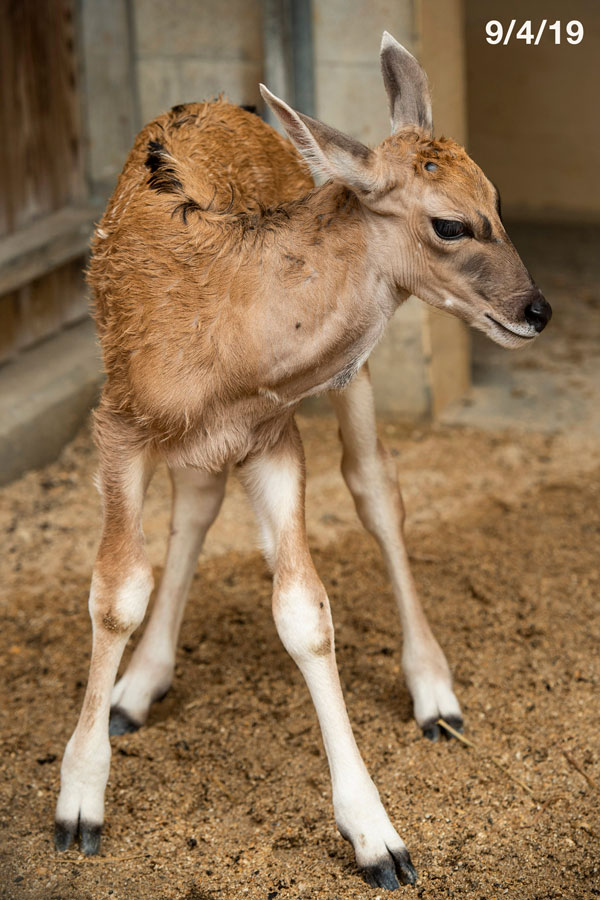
(454, 168)
(448, 156)
(450, 168)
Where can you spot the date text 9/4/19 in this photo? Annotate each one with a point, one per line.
(497, 34)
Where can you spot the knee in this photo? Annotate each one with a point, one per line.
(303, 618)
(118, 599)
(372, 479)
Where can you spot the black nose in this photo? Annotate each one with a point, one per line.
(538, 312)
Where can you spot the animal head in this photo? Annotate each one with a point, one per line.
(434, 214)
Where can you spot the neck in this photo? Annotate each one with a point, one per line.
(322, 301)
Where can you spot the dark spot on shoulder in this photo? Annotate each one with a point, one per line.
(154, 158)
(299, 325)
(186, 207)
(163, 178)
(183, 121)
(295, 262)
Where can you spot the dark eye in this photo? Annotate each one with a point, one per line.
(449, 229)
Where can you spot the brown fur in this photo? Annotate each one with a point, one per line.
(212, 297)
(188, 319)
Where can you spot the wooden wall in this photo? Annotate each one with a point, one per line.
(41, 173)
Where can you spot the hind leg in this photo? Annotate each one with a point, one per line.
(197, 498)
(121, 585)
(371, 477)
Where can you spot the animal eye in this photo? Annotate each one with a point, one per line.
(449, 229)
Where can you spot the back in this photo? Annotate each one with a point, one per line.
(156, 252)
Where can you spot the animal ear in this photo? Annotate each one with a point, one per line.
(406, 85)
(328, 152)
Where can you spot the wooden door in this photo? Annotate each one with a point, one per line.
(44, 220)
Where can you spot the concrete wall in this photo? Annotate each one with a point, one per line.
(533, 121)
(188, 50)
(347, 36)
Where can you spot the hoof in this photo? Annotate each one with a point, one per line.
(64, 834)
(391, 872)
(431, 730)
(89, 836)
(454, 722)
(120, 722)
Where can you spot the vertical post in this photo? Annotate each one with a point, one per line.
(288, 55)
(277, 55)
(303, 66)
(446, 340)
(109, 89)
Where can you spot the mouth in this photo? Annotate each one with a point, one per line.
(514, 332)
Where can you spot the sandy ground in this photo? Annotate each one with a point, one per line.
(225, 793)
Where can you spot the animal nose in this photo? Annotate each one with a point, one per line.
(538, 312)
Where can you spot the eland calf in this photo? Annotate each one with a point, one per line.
(227, 288)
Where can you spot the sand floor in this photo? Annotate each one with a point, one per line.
(224, 793)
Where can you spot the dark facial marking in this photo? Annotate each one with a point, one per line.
(479, 272)
(486, 227)
(249, 108)
(498, 202)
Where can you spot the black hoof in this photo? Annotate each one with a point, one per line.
(404, 867)
(391, 872)
(89, 838)
(431, 730)
(454, 722)
(382, 876)
(120, 722)
(64, 834)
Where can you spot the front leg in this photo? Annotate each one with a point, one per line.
(275, 483)
(371, 477)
